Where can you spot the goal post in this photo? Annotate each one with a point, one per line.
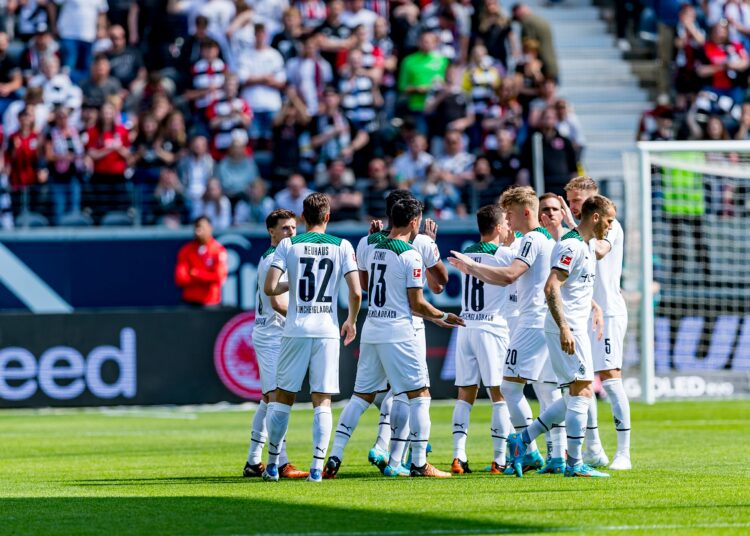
(690, 282)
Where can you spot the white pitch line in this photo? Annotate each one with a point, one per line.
(517, 530)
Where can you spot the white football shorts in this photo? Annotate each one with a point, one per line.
(401, 364)
(569, 368)
(527, 355)
(320, 357)
(479, 356)
(267, 349)
(608, 351)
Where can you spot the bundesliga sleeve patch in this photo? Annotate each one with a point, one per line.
(417, 273)
(566, 259)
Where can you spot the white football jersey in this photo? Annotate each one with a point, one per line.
(536, 251)
(317, 264)
(609, 272)
(423, 244)
(574, 257)
(393, 267)
(267, 320)
(483, 305)
(513, 310)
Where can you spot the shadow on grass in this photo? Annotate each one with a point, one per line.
(216, 515)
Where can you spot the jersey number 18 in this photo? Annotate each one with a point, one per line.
(473, 294)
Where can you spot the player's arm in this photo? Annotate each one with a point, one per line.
(280, 304)
(349, 328)
(423, 308)
(601, 248)
(597, 319)
(182, 270)
(554, 301)
(437, 277)
(494, 275)
(273, 286)
(364, 279)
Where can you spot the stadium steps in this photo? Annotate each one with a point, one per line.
(599, 83)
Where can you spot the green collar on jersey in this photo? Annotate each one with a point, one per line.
(268, 252)
(397, 246)
(544, 231)
(518, 234)
(378, 237)
(572, 234)
(316, 238)
(482, 247)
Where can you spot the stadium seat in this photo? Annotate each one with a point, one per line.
(117, 219)
(31, 219)
(75, 219)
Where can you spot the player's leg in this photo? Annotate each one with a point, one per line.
(258, 435)
(610, 371)
(594, 454)
(294, 360)
(500, 429)
(467, 381)
(324, 382)
(384, 428)
(548, 394)
(399, 436)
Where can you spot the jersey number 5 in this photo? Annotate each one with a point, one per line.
(306, 288)
(377, 289)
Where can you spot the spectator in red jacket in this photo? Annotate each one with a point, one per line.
(201, 267)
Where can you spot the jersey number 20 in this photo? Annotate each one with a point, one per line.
(307, 280)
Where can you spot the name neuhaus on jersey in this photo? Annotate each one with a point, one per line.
(316, 250)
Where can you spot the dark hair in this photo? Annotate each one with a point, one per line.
(315, 208)
(548, 195)
(199, 219)
(404, 211)
(595, 204)
(488, 217)
(394, 197)
(278, 215)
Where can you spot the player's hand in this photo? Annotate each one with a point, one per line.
(545, 221)
(567, 341)
(349, 332)
(441, 324)
(568, 218)
(454, 320)
(597, 322)
(461, 262)
(430, 228)
(375, 226)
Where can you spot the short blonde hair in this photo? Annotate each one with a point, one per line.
(519, 196)
(587, 184)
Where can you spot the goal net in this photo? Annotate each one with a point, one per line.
(688, 275)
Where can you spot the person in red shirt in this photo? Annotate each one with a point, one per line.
(108, 146)
(22, 164)
(201, 267)
(722, 63)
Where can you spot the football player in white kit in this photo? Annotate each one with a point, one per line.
(527, 358)
(270, 313)
(435, 275)
(481, 345)
(570, 296)
(391, 352)
(316, 263)
(607, 352)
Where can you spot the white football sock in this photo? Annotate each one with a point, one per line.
(593, 443)
(283, 458)
(347, 423)
(548, 394)
(399, 429)
(499, 430)
(554, 413)
(419, 422)
(620, 410)
(258, 435)
(461, 416)
(384, 423)
(277, 420)
(575, 423)
(321, 432)
(518, 407)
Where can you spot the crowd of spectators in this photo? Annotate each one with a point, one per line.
(157, 112)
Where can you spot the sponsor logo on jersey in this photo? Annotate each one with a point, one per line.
(417, 272)
(235, 359)
(566, 260)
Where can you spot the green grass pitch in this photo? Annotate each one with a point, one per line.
(175, 472)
